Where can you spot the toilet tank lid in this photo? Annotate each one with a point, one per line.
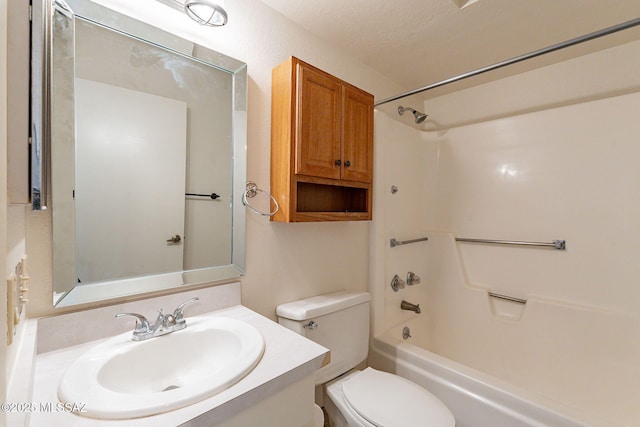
(322, 304)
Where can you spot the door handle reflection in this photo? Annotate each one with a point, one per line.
(175, 239)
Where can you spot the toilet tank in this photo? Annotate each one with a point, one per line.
(338, 321)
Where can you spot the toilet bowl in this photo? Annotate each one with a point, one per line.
(354, 398)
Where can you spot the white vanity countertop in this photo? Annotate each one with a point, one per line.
(288, 357)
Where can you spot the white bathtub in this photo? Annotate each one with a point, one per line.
(476, 399)
(549, 361)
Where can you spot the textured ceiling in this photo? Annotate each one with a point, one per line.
(418, 42)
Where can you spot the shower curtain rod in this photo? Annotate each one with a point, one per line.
(587, 37)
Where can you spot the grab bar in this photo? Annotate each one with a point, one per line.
(560, 245)
(393, 242)
(507, 297)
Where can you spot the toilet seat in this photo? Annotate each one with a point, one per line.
(388, 400)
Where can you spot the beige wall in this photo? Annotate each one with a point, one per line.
(284, 261)
(14, 105)
(3, 201)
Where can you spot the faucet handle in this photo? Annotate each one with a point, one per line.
(178, 313)
(412, 278)
(142, 324)
(397, 283)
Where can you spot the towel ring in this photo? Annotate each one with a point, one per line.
(252, 191)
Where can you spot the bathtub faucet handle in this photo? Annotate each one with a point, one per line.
(412, 278)
(397, 283)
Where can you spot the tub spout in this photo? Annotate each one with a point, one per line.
(405, 305)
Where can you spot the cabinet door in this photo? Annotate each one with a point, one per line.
(319, 104)
(357, 139)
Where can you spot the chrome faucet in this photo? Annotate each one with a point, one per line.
(164, 324)
(405, 305)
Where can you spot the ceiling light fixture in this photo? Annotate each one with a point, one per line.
(206, 12)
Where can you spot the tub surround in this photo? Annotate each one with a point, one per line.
(283, 376)
(557, 173)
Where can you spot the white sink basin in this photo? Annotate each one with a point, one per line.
(121, 378)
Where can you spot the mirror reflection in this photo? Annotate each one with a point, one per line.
(147, 151)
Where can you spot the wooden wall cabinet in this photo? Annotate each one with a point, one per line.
(321, 146)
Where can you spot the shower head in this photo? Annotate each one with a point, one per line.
(420, 117)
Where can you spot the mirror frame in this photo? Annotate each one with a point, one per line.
(42, 121)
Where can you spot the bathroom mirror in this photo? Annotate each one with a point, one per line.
(145, 136)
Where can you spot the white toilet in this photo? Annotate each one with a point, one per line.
(367, 398)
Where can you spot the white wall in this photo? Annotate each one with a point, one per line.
(284, 261)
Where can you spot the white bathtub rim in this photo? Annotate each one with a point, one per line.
(500, 395)
(492, 403)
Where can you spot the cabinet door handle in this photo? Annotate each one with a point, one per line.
(338, 162)
(347, 164)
